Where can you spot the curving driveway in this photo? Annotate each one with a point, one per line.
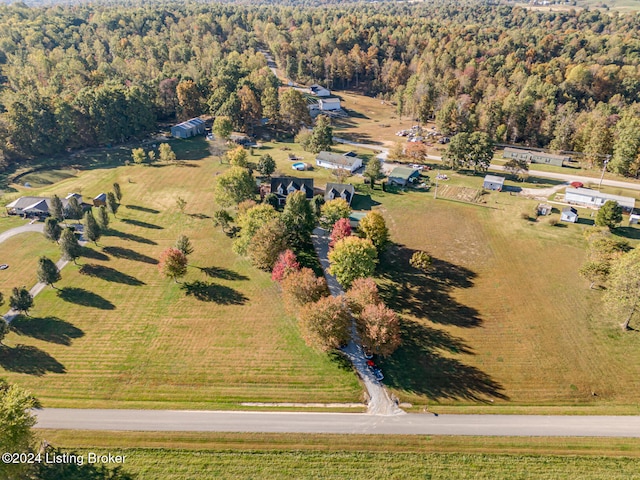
(12, 232)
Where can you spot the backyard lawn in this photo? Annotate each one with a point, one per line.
(118, 334)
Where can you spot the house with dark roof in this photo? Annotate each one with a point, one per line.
(339, 190)
(336, 160)
(283, 186)
(100, 200)
(569, 214)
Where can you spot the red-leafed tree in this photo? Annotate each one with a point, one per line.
(363, 292)
(341, 229)
(326, 323)
(173, 264)
(379, 329)
(287, 263)
(302, 287)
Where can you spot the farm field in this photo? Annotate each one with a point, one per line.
(505, 318)
(118, 334)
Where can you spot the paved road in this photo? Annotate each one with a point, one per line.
(380, 403)
(295, 422)
(12, 232)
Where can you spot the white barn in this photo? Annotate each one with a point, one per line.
(593, 198)
(319, 90)
(335, 161)
(493, 182)
(569, 214)
(329, 104)
(187, 129)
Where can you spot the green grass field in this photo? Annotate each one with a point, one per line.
(129, 337)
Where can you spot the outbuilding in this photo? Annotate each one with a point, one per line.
(569, 214)
(319, 90)
(100, 200)
(190, 128)
(403, 175)
(328, 104)
(493, 182)
(336, 160)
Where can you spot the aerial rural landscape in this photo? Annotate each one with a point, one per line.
(319, 240)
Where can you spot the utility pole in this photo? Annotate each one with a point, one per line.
(604, 169)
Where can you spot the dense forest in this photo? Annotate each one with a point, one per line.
(92, 74)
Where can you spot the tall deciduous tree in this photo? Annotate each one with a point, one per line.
(287, 263)
(298, 217)
(69, 246)
(138, 155)
(374, 228)
(250, 108)
(222, 127)
(237, 157)
(609, 215)
(379, 329)
(301, 287)
(91, 227)
(352, 258)
(173, 264)
(293, 110)
(622, 296)
(166, 153)
(266, 165)
(627, 143)
(363, 292)
(52, 229)
(270, 105)
(269, 241)
(189, 98)
(332, 211)
(341, 229)
(326, 323)
(48, 271)
(373, 170)
(234, 186)
(21, 300)
(250, 222)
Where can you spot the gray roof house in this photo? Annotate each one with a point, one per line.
(336, 160)
(283, 186)
(100, 200)
(493, 182)
(569, 214)
(593, 198)
(190, 128)
(37, 206)
(403, 175)
(339, 190)
(533, 156)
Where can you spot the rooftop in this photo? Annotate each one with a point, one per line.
(403, 172)
(494, 179)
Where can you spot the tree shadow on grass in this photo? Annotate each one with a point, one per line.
(213, 292)
(87, 252)
(418, 367)
(128, 236)
(48, 329)
(127, 253)
(109, 274)
(83, 297)
(142, 209)
(341, 360)
(223, 273)
(428, 295)
(29, 360)
(627, 232)
(138, 223)
(199, 216)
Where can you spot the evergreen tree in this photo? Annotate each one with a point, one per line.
(117, 190)
(112, 204)
(74, 209)
(266, 165)
(91, 228)
(184, 245)
(21, 300)
(373, 170)
(69, 245)
(609, 215)
(103, 217)
(52, 229)
(48, 271)
(57, 211)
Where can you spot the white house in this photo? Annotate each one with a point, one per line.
(335, 160)
(319, 90)
(569, 214)
(593, 198)
(329, 104)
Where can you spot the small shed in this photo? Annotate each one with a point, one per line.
(569, 214)
(634, 218)
(329, 104)
(355, 217)
(100, 200)
(544, 209)
(190, 128)
(493, 182)
(403, 175)
(319, 90)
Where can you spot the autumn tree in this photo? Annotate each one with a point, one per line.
(173, 264)
(421, 261)
(234, 186)
(91, 228)
(301, 287)
(270, 105)
(138, 155)
(250, 108)
(595, 272)
(266, 245)
(48, 272)
(623, 288)
(379, 329)
(237, 157)
(293, 110)
(266, 165)
(166, 153)
(298, 217)
(609, 215)
(352, 258)
(325, 324)
(69, 246)
(189, 99)
(222, 127)
(332, 211)
(341, 229)
(21, 300)
(183, 244)
(373, 170)
(374, 228)
(52, 229)
(363, 292)
(250, 222)
(286, 263)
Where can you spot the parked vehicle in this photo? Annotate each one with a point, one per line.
(378, 374)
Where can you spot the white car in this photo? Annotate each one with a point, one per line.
(416, 166)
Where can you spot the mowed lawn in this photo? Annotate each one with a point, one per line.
(125, 336)
(504, 318)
